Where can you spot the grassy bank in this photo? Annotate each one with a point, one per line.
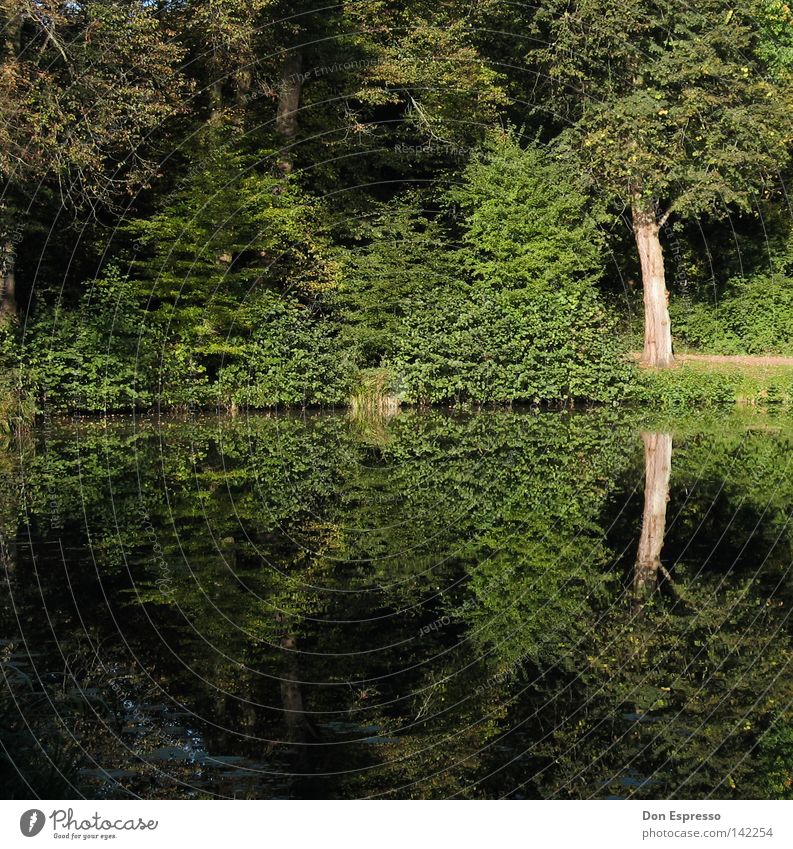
(712, 383)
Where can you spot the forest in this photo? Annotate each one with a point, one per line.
(395, 400)
(218, 204)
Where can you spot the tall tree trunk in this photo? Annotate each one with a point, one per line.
(299, 727)
(215, 99)
(288, 104)
(657, 327)
(11, 45)
(8, 295)
(657, 469)
(244, 80)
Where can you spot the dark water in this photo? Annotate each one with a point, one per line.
(432, 606)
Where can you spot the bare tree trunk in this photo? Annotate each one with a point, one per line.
(8, 296)
(657, 469)
(215, 99)
(244, 79)
(657, 327)
(288, 104)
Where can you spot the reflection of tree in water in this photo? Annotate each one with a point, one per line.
(685, 697)
(658, 467)
(337, 549)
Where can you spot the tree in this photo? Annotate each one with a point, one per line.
(672, 110)
(399, 257)
(82, 86)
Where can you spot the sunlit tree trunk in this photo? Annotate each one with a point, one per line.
(215, 99)
(657, 326)
(658, 467)
(288, 105)
(244, 80)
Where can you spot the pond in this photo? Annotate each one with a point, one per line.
(494, 604)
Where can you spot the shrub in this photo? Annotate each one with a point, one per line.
(520, 320)
(99, 357)
(483, 345)
(290, 359)
(753, 316)
(685, 387)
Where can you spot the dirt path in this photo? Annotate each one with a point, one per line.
(740, 359)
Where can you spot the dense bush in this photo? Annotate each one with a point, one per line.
(752, 316)
(100, 356)
(484, 345)
(396, 257)
(290, 359)
(519, 318)
(112, 354)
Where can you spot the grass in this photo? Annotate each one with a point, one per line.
(705, 383)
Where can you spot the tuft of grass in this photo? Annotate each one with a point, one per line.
(375, 393)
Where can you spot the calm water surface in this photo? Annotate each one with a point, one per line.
(496, 604)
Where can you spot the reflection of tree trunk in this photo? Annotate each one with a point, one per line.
(299, 727)
(288, 104)
(658, 466)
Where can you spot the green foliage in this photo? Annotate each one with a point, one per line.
(776, 755)
(520, 321)
(291, 358)
(702, 384)
(527, 223)
(399, 258)
(475, 345)
(776, 46)
(235, 225)
(111, 354)
(667, 104)
(96, 79)
(17, 402)
(752, 316)
(101, 356)
(685, 387)
(269, 262)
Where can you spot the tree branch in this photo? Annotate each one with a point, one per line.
(665, 217)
